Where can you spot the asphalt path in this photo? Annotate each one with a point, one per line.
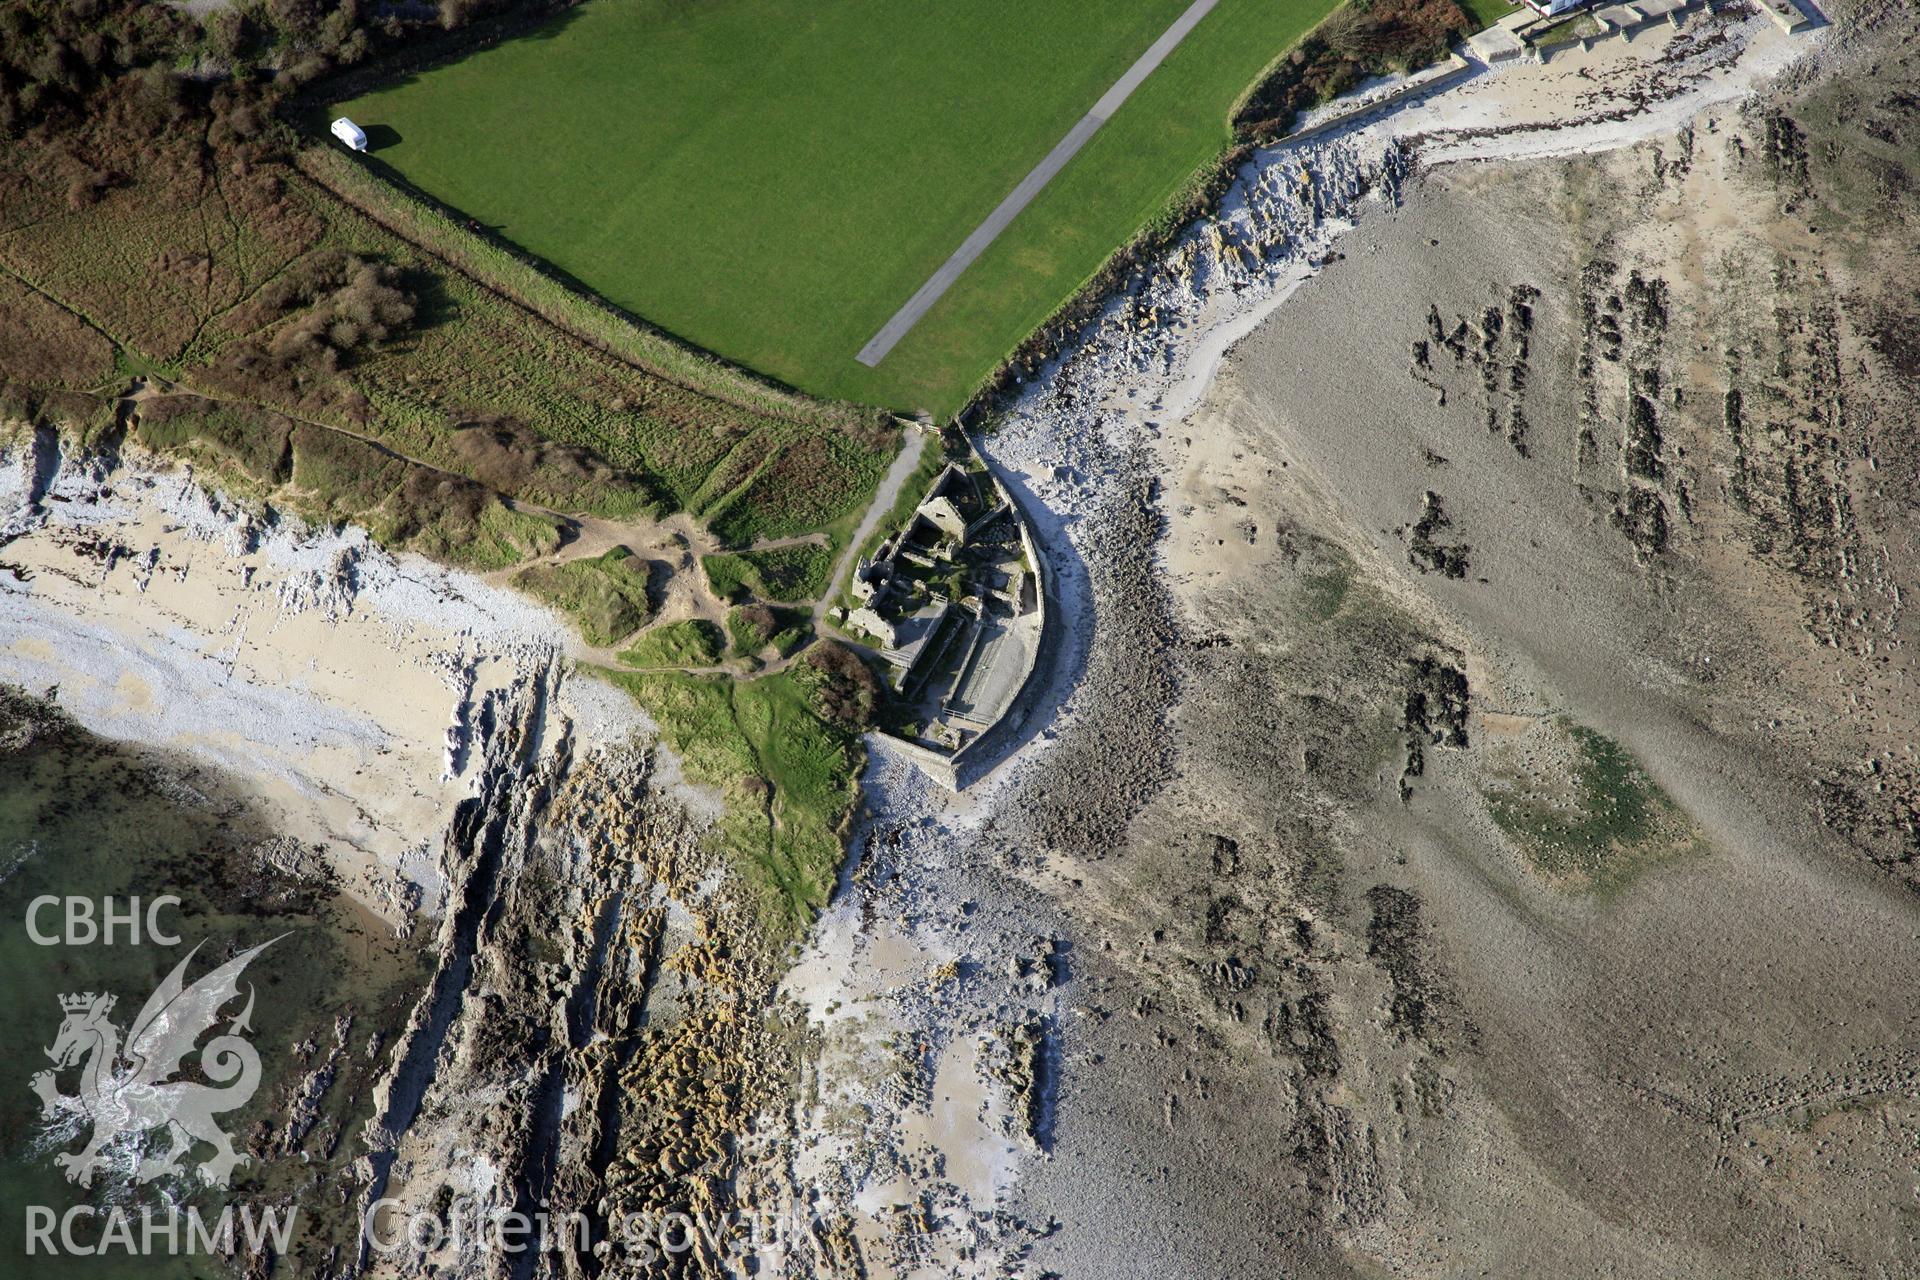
(1030, 186)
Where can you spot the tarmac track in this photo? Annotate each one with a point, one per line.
(1030, 186)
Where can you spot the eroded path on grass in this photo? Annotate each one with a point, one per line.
(688, 596)
(676, 542)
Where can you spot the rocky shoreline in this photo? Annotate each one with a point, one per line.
(972, 887)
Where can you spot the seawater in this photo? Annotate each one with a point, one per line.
(88, 819)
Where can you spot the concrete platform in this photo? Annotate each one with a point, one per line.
(1628, 18)
(1789, 15)
(1498, 43)
(997, 668)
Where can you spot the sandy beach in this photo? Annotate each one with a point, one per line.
(341, 681)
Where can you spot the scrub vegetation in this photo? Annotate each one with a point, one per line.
(754, 628)
(605, 595)
(328, 476)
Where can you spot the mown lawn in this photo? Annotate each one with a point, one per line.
(1486, 12)
(772, 180)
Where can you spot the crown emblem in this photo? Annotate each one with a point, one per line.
(85, 1000)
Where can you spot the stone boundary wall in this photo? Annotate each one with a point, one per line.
(932, 763)
(1382, 98)
(1022, 704)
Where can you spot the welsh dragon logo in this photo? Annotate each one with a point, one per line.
(125, 1087)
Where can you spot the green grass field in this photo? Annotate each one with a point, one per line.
(772, 180)
(1486, 12)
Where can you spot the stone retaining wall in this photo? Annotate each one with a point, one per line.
(1383, 98)
(977, 756)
